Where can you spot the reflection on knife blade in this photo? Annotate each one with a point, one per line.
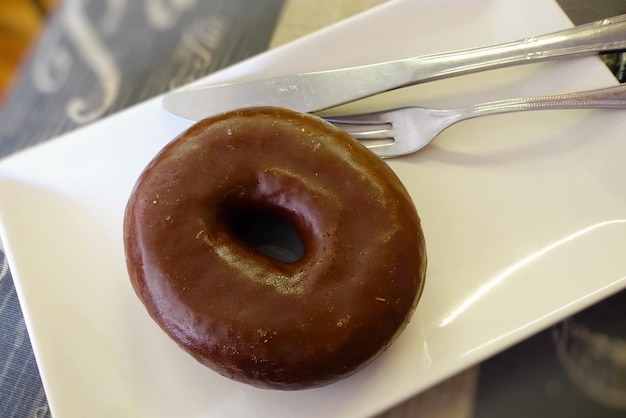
(302, 92)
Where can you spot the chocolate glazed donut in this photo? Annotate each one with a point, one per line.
(302, 321)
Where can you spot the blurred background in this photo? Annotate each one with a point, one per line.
(20, 22)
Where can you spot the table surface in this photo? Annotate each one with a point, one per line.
(266, 24)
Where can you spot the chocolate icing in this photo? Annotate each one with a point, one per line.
(251, 317)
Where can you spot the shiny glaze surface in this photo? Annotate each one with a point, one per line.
(249, 316)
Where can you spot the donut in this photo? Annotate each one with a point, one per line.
(327, 300)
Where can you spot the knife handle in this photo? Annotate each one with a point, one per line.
(603, 35)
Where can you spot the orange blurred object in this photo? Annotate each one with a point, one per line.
(20, 22)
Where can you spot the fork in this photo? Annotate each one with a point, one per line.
(396, 132)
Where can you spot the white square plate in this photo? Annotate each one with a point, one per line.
(524, 216)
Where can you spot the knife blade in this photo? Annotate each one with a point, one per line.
(316, 91)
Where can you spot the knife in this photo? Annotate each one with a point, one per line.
(315, 91)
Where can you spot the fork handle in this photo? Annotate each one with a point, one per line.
(604, 98)
(603, 35)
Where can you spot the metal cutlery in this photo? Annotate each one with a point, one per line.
(311, 92)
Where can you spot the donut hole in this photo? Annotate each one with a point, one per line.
(268, 232)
